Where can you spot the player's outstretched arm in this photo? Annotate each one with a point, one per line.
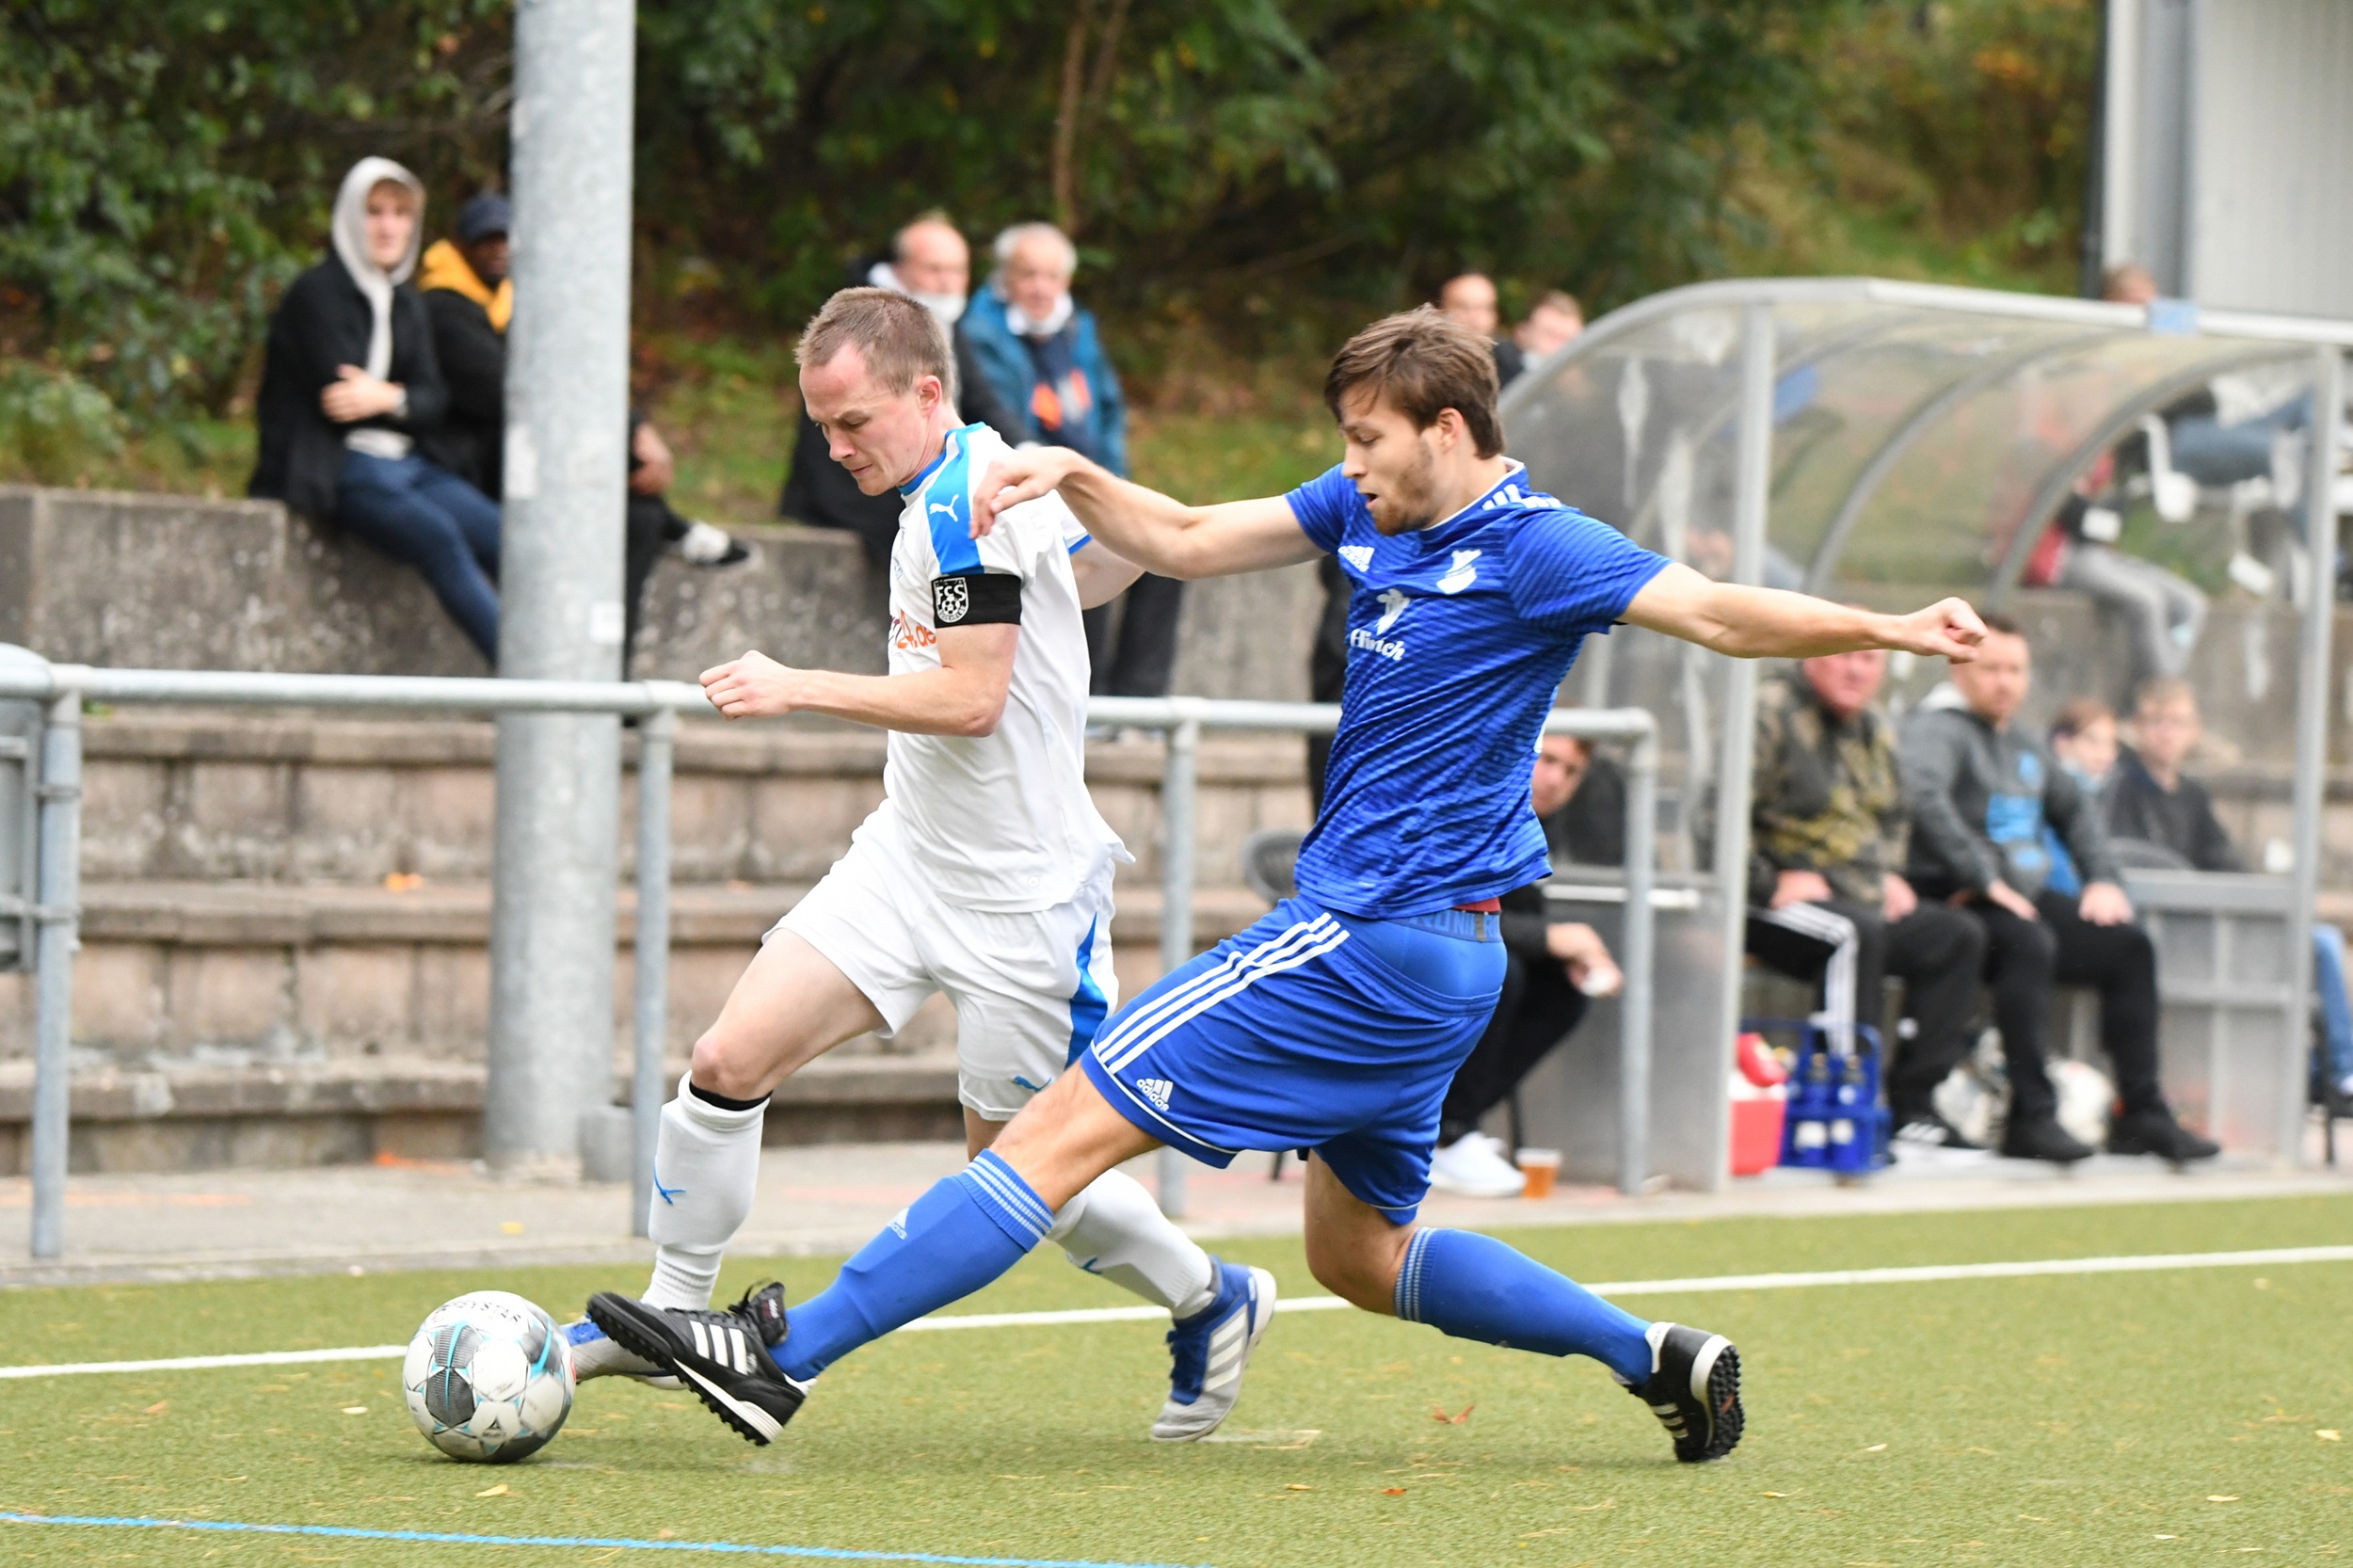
(964, 696)
(1156, 532)
(1770, 623)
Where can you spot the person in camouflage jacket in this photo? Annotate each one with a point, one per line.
(1827, 901)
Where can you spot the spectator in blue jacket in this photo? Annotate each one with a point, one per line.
(1043, 357)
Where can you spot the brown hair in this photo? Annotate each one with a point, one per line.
(900, 340)
(2079, 716)
(1421, 363)
(1558, 299)
(2158, 690)
(1997, 620)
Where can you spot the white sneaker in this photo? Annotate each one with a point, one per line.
(1474, 1165)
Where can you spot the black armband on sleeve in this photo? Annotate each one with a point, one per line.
(976, 598)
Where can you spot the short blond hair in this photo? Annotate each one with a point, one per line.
(900, 340)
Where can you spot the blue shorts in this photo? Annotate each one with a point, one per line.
(1310, 1031)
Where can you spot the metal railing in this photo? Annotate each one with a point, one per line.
(64, 689)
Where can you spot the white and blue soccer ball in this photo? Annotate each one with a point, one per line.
(489, 1378)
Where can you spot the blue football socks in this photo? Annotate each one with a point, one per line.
(1473, 1286)
(955, 1238)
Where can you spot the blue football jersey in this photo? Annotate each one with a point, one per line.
(1458, 636)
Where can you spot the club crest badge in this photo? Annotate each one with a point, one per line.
(951, 599)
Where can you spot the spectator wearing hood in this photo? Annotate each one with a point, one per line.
(1041, 356)
(929, 263)
(350, 381)
(470, 300)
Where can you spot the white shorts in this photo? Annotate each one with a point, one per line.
(1031, 988)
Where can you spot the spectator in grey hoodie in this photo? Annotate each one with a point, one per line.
(1981, 791)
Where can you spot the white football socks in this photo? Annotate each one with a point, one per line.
(706, 1167)
(1115, 1229)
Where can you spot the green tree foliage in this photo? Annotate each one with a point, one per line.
(1265, 166)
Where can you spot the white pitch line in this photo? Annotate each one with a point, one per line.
(1704, 1285)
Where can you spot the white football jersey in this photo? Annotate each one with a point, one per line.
(1001, 822)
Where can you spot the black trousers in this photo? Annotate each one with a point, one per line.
(1138, 656)
(1938, 952)
(1537, 1010)
(2026, 959)
(647, 524)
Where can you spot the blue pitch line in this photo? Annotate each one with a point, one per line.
(345, 1532)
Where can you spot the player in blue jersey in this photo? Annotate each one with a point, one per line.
(1336, 1022)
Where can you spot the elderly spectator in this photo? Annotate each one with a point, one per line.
(470, 300)
(929, 263)
(1827, 901)
(349, 382)
(2155, 802)
(1552, 324)
(1469, 297)
(1552, 968)
(1042, 355)
(1980, 790)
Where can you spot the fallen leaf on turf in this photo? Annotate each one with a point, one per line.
(2168, 1538)
(1876, 1449)
(2326, 1434)
(2221, 1497)
(162, 1405)
(1596, 1508)
(1393, 1492)
(1776, 1493)
(1453, 1421)
(355, 1410)
(1298, 1486)
(498, 1490)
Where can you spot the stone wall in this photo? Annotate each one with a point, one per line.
(177, 583)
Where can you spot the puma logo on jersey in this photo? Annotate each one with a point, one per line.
(948, 506)
(1357, 556)
(1462, 574)
(1393, 605)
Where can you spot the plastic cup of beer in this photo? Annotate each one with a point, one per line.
(1543, 1168)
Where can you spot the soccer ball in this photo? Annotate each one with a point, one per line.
(489, 1378)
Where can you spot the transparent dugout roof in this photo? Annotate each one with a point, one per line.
(1919, 431)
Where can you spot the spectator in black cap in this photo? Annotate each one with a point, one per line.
(471, 299)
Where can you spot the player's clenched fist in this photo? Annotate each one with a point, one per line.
(1948, 629)
(752, 687)
(1016, 477)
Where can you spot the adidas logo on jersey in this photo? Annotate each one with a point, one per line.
(1157, 1090)
(1357, 556)
(899, 1225)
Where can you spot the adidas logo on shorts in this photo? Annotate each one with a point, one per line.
(1157, 1090)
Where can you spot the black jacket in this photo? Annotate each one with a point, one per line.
(323, 323)
(2181, 819)
(471, 441)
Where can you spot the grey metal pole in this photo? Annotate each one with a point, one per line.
(552, 942)
(2311, 719)
(1178, 778)
(58, 912)
(1752, 489)
(656, 738)
(1639, 964)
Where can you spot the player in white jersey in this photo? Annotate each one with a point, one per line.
(985, 873)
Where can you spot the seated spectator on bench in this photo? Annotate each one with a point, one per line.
(1980, 790)
(469, 298)
(350, 381)
(2155, 803)
(1551, 970)
(1826, 903)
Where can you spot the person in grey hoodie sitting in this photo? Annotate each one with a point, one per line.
(350, 381)
(1981, 791)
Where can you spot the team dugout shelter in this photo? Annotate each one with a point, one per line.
(1888, 443)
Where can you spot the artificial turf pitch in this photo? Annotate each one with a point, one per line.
(2112, 1418)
